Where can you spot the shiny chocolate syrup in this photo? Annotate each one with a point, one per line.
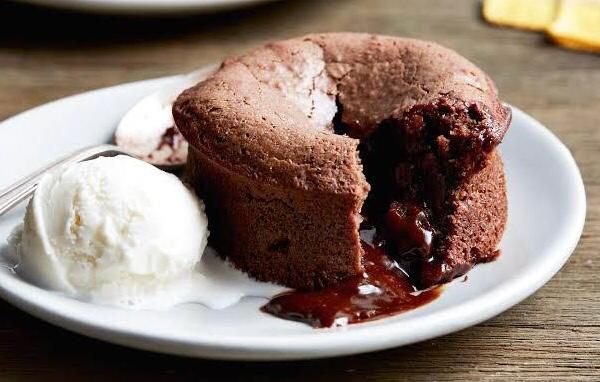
(383, 289)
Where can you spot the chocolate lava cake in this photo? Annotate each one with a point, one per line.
(302, 148)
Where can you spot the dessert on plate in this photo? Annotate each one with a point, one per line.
(295, 145)
(312, 151)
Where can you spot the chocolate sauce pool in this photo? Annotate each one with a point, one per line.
(382, 290)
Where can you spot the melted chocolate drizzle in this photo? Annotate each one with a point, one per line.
(383, 289)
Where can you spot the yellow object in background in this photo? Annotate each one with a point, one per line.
(524, 14)
(577, 25)
(574, 24)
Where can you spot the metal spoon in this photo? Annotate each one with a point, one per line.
(24, 188)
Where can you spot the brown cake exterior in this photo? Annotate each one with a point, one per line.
(278, 138)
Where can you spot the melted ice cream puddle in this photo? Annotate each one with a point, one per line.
(217, 284)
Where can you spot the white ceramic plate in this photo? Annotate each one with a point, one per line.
(144, 7)
(546, 216)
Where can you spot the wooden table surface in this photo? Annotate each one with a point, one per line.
(553, 335)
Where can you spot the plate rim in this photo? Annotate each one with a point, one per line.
(144, 7)
(322, 343)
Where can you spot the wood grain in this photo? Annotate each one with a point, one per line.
(554, 335)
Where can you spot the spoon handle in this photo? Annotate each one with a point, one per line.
(24, 188)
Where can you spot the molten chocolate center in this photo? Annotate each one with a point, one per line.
(410, 162)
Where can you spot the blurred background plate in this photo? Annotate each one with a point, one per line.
(144, 7)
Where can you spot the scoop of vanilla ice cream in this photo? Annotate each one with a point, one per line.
(114, 230)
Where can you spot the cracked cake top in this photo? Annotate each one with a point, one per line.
(269, 114)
